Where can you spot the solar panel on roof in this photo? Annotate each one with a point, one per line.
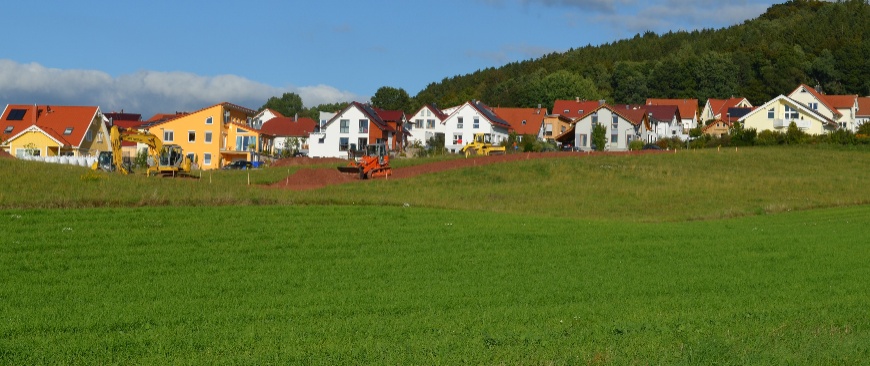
(16, 115)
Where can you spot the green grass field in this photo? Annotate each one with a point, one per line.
(618, 268)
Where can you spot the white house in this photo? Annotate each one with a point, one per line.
(665, 121)
(841, 109)
(262, 117)
(350, 129)
(325, 117)
(688, 110)
(779, 112)
(469, 119)
(717, 109)
(423, 125)
(862, 115)
(622, 126)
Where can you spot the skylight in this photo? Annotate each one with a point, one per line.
(68, 131)
(16, 115)
(8, 129)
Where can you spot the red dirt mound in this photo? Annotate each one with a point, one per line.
(5, 155)
(306, 161)
(321, 177)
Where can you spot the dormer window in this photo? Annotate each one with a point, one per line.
(68, 131)
(566, 111)
(524, 122)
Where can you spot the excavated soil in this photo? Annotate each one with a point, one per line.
(5, 155)
(312, 178)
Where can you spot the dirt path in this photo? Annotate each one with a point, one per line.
(321, 177)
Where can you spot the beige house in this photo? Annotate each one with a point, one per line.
(778, 113)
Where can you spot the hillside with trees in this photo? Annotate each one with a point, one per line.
(801, 41)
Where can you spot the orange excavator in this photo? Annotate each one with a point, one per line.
(374, 162)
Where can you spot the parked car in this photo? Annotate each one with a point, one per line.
(651, 147)
(238, 164)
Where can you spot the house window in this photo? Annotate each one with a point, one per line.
(566, 111)
(191, 136)
(791, 113)
(345, 126)
(8, 129)
(770, 113)
(206, 159)
(614, 138)
(362, 141)
(457, 139)
(208, 137)
(476, 123)
(363, 126)
(428, 113)
(459, 122)
(430, 123)
(419, 123)
(595, 118)
(580, 111)
(89, 136)
(814, 106)
(245, 143)
(342, 143)
(68, 131)
(614, 124)
(583, 139)
(191, 157)
(209, 120)
(168, 136)
(100, 136)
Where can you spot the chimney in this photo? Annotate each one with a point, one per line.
(577, 99)
(539, 109)
(601, 101)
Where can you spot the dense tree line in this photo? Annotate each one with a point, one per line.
(801, 41)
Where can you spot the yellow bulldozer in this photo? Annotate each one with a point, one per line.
(163, 160)
(480, 146)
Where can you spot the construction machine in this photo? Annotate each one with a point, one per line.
(480, 146)
(374, 162)
(164, 160)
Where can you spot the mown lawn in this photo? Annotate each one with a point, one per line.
(415, 285)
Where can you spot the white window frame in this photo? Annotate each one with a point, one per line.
(344, 126)
(457, 138)
(363, 126)
(168, 136)
(206, 159)
(209, 120)
(475, 123)
(459, 122)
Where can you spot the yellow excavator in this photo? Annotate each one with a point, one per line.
(481, 147)
(163, 160)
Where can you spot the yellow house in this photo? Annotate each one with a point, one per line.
(778, 113)
(212, 137)
(46, 131)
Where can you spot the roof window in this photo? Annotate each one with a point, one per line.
(8, 129)
(16, 115)
(68, 131)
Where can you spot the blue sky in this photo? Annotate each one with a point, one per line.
(167, 56)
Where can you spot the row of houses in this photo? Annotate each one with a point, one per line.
(217, 135)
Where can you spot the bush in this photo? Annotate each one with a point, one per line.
(635, 145)
(770, 138)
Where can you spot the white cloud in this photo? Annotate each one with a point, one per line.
(145, 92)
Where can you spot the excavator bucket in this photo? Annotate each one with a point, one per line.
(350, 169)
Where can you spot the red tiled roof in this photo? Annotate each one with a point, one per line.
(54, 120)
(166, 116)
(575, 108)
(720, 106)
(487, 113)
(663, 112)
(688, 107)
(286, 126)
(129, 124)
(863, 106)
(841, 101)
(525, 121)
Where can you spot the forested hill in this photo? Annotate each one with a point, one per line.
(811, 42)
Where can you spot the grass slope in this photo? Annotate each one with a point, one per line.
(394, 285)
(688, 185)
